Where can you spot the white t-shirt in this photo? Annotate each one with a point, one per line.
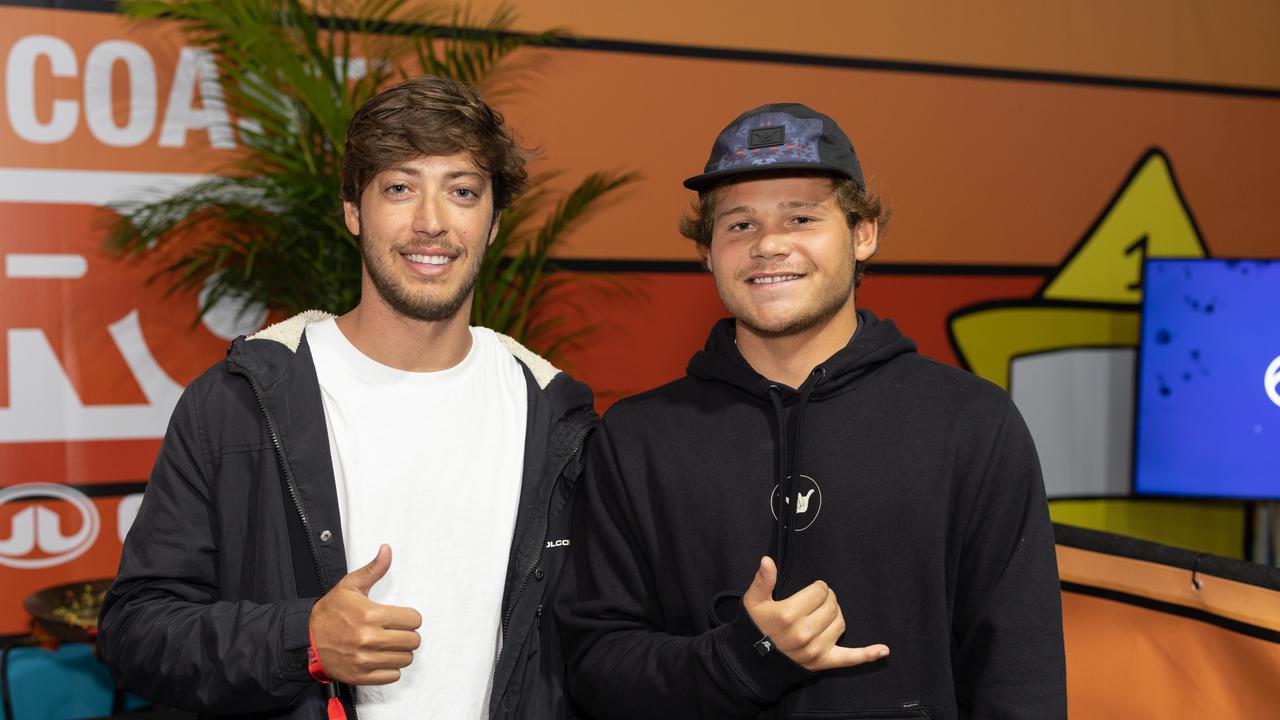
(431, 464)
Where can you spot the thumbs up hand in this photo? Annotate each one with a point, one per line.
(805, 626)
(362, 642)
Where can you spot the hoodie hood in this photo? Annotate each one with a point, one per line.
(874, 343)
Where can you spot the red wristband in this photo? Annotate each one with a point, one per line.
(315, 668)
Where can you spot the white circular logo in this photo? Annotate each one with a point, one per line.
(808, 502)
(1271, 381)
(37, 529)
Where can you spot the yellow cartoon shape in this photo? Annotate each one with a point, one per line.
(1092, 301)
(1147, 219)
(1068, 355)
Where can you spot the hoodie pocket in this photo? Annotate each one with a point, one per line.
(917, 712)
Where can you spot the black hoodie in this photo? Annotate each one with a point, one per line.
(917, 498)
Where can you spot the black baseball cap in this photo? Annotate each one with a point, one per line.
(779, 136)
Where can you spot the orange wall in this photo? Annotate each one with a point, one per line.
(982, 171)
(1231, 42)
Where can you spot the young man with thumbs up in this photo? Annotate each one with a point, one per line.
(753, 539)
(364, 513)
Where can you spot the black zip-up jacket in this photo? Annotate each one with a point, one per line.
(912, 488)
(239, 534)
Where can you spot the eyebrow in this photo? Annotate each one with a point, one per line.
(793, 204)
(407, 170)
(403, 170)
(782, 205)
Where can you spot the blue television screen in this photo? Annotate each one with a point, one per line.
(1208, 415)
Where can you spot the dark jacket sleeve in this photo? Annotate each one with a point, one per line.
(163, 630)
(621, 664)
(1008, 658)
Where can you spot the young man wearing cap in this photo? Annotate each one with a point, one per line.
(258, 580)
(756, 536)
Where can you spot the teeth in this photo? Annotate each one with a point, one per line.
(430, 259)
(774, 279)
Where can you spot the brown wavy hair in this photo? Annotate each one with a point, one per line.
(857, 202)
(432, 116)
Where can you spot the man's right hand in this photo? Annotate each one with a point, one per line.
(359, 641)
(805, 626)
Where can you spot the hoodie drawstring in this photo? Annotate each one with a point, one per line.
(788, 474)
(782, 518)
(788, 468)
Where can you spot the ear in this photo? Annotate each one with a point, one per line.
(866, 239)
(351, 214)
(705, 252)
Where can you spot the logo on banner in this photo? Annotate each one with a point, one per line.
(1271, 381)
(37, 538)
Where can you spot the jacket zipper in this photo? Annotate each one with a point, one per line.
(316, 564)
(542, 547)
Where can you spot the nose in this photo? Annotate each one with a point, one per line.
(770, 244)
(431, 216)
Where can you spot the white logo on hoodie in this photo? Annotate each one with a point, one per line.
(808, 502)
(802, 501)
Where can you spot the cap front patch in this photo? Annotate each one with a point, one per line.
(767, 137)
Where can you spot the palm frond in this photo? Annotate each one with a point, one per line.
(524, 272)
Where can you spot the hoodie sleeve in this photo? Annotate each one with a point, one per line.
(1008, 654)
(621, 663)
(164, 632)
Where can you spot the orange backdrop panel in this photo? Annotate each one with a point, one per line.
(82, 32)
(978, 170)
(1125, 661)
(1176, 40)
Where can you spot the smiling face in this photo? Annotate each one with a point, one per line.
(423, 226)
(783, 254)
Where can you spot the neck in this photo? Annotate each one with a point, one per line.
(790, 358)
(404, 343)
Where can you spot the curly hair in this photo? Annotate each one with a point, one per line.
(856, 201)
(432, 116)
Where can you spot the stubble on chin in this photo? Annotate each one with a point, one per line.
(819, 312)
(425, 306)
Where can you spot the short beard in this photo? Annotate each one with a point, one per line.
(402, 299)
(825, 310)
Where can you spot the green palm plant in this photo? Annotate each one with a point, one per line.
(267, 230)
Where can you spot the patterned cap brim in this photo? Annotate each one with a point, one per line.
(705, 181)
